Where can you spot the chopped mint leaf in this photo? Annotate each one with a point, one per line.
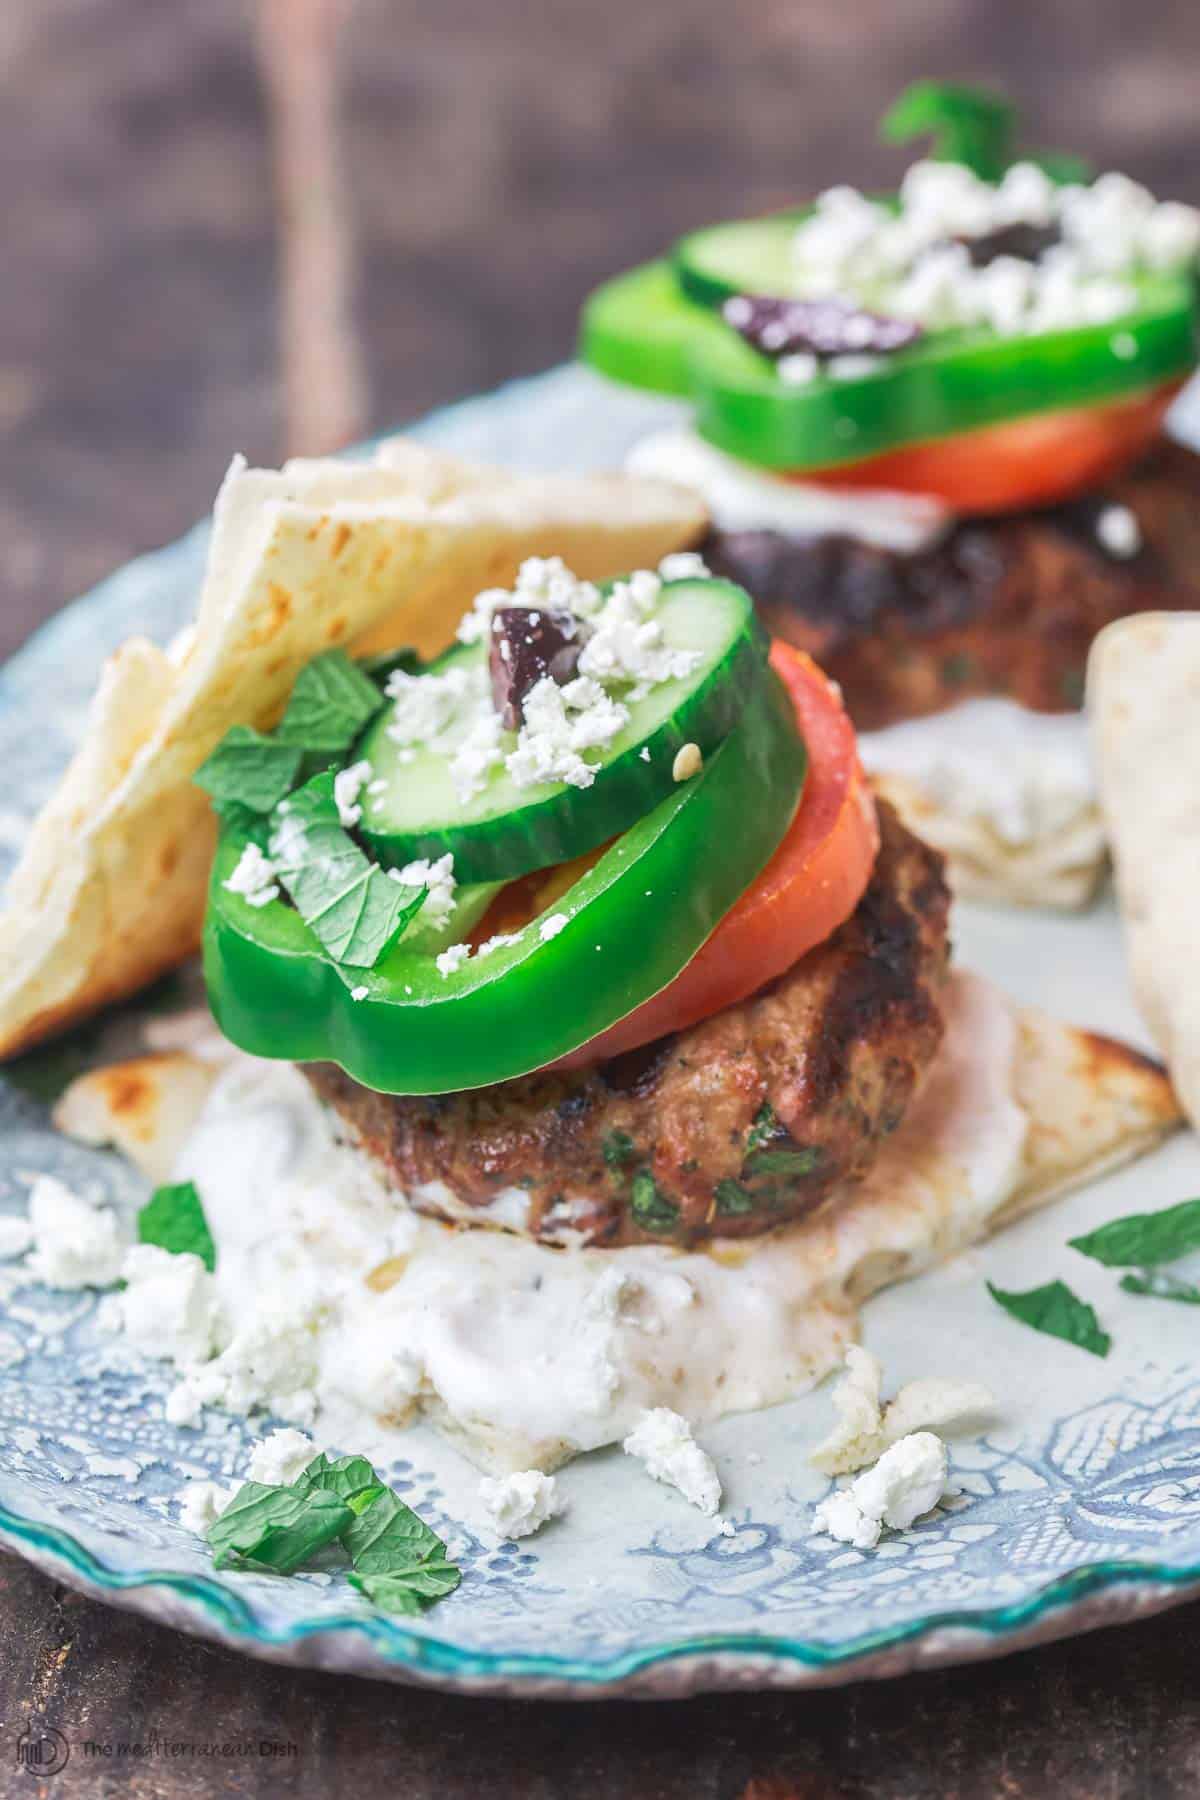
(1160, 1284)
(350, 905)
(1143, 1240)
(173, 1218)
(277, 1528)
(351, 1478)
(409, 1591)
(764, 1128)
(617, 1149)
(652, 1209)
(800, 1161)
(731, 1198)
(1058, 1312)
(331, 703)
(248, 769)
(390, 1537)
(968, 125)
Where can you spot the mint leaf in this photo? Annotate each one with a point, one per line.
(389, 1538)
(331, 703)
(651, 1208)
(173, 1218)
(351, 1478)
(1058, 1312)
(249, 770)
(1142, 1240)
(386, 663)
(354, 909)
(1161, 1285)
(413, 1590)
(967, 125)
(277, 1528)
(800, 1161)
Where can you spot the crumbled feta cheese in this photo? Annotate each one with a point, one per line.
(550, 928)
(453, 958)
(866, 1428)
(480, 751)
(201, 1504)
(560, 723)
(168, 1307)
(688, 762)
(280, 1457)
(500, 941)
(16, 1237)
(254, 878)
(542, 581)
(348, 784)
(626, 643)
(74, 1245)
(908, 1480)
(1118, 531)
(359, 993)
(663, 1441)
(270, 1365)
(425, 706)
(518, 1505)
(853, 368)
(684, 565)
(438, 880)
(289, 842)
(644, 753)
(798, 369)
(911, 263)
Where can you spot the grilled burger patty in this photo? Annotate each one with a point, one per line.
(742, 1122)
(1002, 606)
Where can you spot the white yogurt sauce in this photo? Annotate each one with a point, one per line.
(740, 497)
(528, 1354)
(1025, 775)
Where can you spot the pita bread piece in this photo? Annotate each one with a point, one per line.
(110, 889)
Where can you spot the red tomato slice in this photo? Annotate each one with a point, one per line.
(1023, 462)
(812, 883)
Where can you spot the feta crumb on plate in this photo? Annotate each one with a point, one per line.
(906, 1482)
(76, 1245)
(16, 1237)
(168, 1306)
(280, 1457)
(663, 1441)
(520, 1504)
(202, 1503)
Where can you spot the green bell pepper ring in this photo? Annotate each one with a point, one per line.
(633, 921)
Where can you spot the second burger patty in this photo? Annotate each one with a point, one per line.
(734, 1126)
(1006, 605)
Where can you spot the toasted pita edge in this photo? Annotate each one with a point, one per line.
(110, 889)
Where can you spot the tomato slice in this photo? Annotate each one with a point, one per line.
(1023, 462)
(812, 883)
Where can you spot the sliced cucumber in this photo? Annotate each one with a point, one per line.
(636, 329)
(748, 256)
(506, 830)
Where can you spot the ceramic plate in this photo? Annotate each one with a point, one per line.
(1081, 1506)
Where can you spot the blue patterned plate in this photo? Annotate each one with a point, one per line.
(1080, 1507)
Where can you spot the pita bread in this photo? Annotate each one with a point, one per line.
(110, 889)
(1017, 1109)
(1061, 869)
(1144, 702)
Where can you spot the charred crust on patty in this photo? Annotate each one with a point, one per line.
(1006, 605)
(751, 1118)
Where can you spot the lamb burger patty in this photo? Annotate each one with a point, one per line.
(742, 1122)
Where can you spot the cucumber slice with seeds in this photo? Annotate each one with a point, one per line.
(505, 830)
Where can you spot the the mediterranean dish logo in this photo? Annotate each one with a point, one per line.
(41, 1750)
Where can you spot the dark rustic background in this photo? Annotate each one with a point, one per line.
(163, 175)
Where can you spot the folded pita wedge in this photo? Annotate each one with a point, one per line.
(1143, 696)
(110, 889)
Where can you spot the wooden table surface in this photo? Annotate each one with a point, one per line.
(497, 157)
